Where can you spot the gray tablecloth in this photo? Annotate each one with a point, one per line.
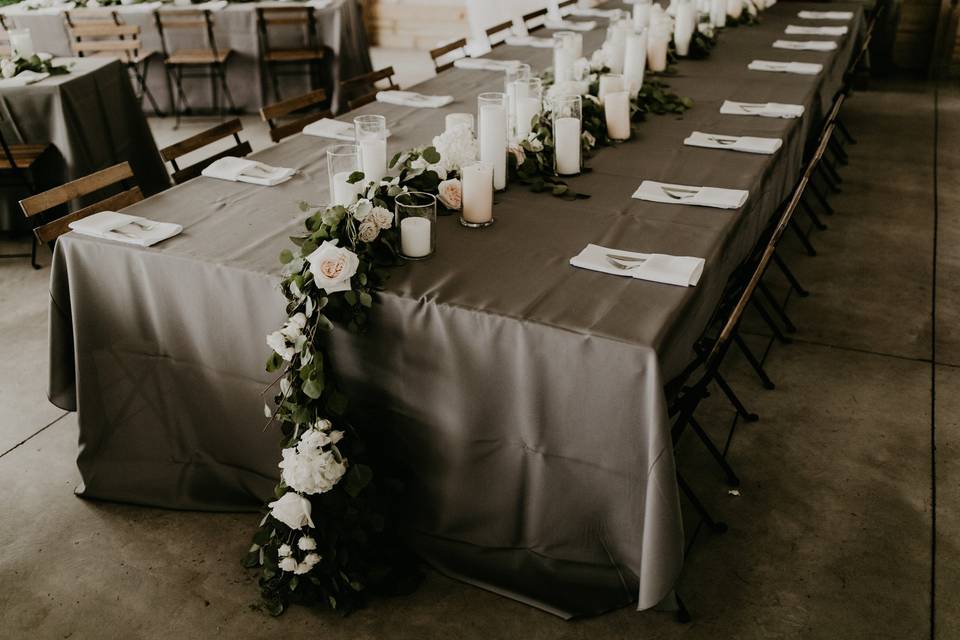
(235, 27)
(525, 396)
(91, 117)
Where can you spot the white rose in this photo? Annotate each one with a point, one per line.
(288, 564)
(8, 68)
(450, 193)
(368, 231)
(457, 147)
(292, 510)
(382, 217)
(332, 267)
(323, 425)
(278, 342)
(362, 209)
(284, 550)
(312, 559)
(306, 543)
(302, 568)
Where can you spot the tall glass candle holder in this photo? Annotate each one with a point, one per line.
(616, 111)
(477, 181)
(342, 161)
(567, 124)
(684, 25)
(617, 43)
(610, 83)
(371, 134)
(635, 61)
(527, 104)
(417, 217)
(641, 14)
(21, 43)
(565, 54)
(492, 134)
(658, 41)
(718, 13)
(520, 71)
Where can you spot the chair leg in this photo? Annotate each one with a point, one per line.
(221, 71)
(716, 526)
(275, 82)
(732, 478)
(839, 151)
(817, 222)
(822, 199)
(804, 240)
(683, 616)
(791, 278)
(774, 327)
(141, 74)
(778, 308)
(33, 253)
(830, 176)
(754, 362)
(735, 400)
(846, 132)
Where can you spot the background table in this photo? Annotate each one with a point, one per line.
(340, 27)
(91, 117)
(524, 396)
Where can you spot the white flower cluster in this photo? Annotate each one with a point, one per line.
(288, 341)
(8, 68)
(290, 564)
(457, 148)
(567, 88)
(310, 468)
(372, 219)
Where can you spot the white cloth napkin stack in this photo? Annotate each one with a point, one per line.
(681, 271)
(329, 128)
(24, 78)
(795, 30)
(802, 68)
(483, 64)
(570, 25)
(746, 144)
(763, 109)
(250, 171)
(697, 196)
(412, 99)
(806, 45)
(825, 15)
(529, 41)
(110, 225)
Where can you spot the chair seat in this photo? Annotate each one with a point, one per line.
(125, 56)
(293, 55)
(198, 56)
(24, 155)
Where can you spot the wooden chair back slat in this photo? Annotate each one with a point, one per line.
(53, 230)
(194, 170)
(286, 107)
(282, 131)
(350, 86)
(497, 28)
(202, 139)
(439, 52)
(78, 188)
(129, 46)
(105, 30)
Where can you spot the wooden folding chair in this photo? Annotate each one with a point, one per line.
(100, 32)
(497, 34)
(16, 165)
(360, 87)
(273, 112)
(117, 176)
(535, 19)
(240, 149)
(275, 61)
(209, 62)
(450, 52)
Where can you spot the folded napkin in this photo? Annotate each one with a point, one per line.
(803, 68)
(24, 78)
(825, 15)
(656, 267)
(110, 225)
(570, 25)
(411, 99)
(806, 45)
(794, 30)
(746, 144)
(485, 64)
(529, 41)
(763, 109)
(329, 128)
(251, 171)
(594, 13)
(696, 196)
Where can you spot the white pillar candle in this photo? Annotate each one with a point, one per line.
(718, 13)
(21, 43)
(493, 141)
(616, 108)
(610, 84)
(373, 158)
(683, 27)
(617, 43)
(477, 184)
(454, 119)
(657, 51)
(527, 109)
(566, 133)
(563, 61)
(415, 237)
(635, 60)
(734, 8)
(344, 192)
(641, 15)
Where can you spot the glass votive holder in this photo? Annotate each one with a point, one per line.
(342, 161)
(567, 123)
(564, 55)
(457, 119)
(21, 43)
(371, 134)
(527, 105)
(417, 216)
(492, 135)
(610, 83)
(476, 181)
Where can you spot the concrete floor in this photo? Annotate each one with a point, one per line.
(832, 535)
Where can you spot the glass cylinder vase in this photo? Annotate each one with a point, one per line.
(417, 218)
(492, 135)
(527, 105)
(342, 161)
(371, 134)
(567, 125)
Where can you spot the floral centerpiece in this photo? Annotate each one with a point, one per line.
(10, 67)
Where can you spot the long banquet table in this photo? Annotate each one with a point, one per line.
(524, 396)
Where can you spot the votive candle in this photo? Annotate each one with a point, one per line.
(616, 108)
(477, 184)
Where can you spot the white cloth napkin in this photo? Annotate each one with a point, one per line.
(803, 68)
(746, 144)
(681, 271)
(593, 13)
(484, 64)
(696, 196)
(251, 171)
(529, 41)
(24, 78)
(825, 15)
(763, 109)
(412, 99)
(571, 25)
(795, 30)
(110, 225)
(329, 128)
(35, 9)
(806, 45)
